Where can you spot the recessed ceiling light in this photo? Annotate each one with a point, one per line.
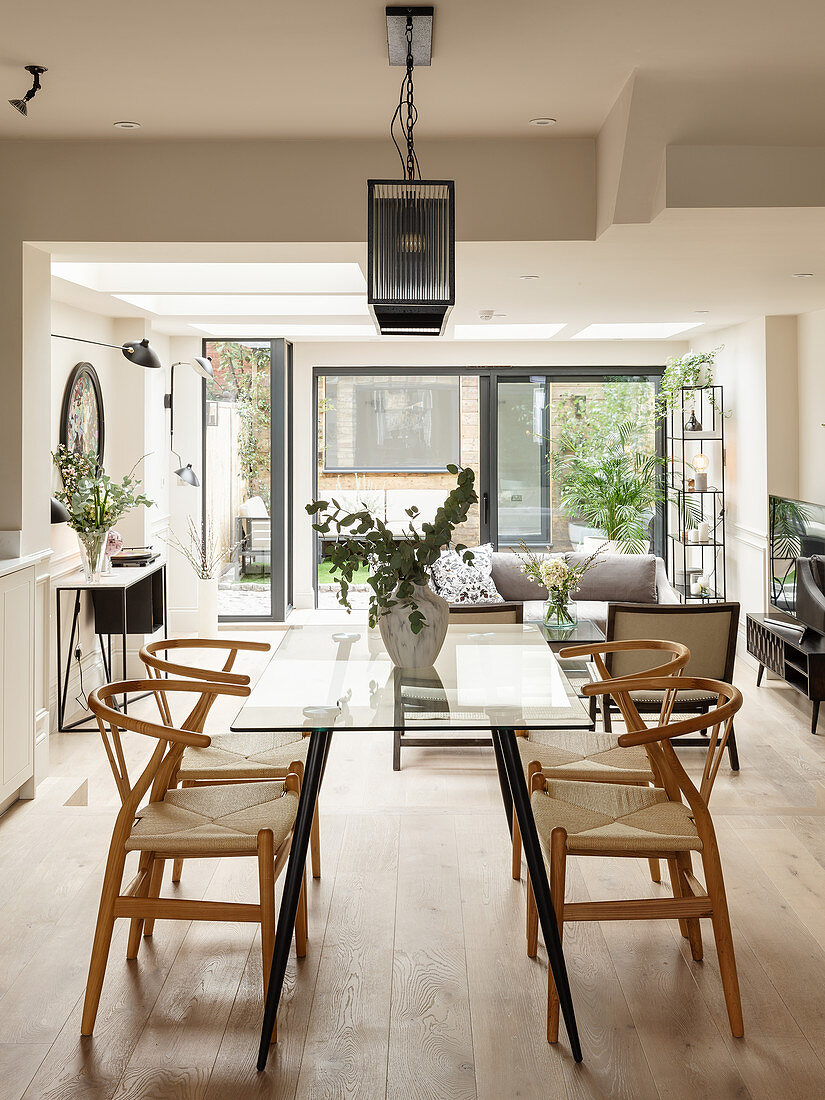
(701, 311)
(803, 275)
(492, 331)
(636, 330)
(543, 121)
(126, 125)
(529, 278)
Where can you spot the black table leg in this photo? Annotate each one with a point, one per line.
(503, 782)
(538, 875)
(319, 742)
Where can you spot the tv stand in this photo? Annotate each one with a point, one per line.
(799, 660)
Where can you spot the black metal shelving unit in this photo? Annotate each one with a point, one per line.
(688, 506)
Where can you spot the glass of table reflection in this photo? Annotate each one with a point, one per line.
(494, 679)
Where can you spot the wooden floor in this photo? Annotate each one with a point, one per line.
(416, 983)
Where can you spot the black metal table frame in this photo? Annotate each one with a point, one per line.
(515, 796)
(63, 684)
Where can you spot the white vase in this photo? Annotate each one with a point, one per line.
(207, 607)
(408, 650)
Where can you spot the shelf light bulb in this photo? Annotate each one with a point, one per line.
(701, 462)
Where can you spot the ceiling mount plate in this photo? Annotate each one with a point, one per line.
(422, 43)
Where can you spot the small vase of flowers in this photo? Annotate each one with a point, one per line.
(560, 578)
(95, 502)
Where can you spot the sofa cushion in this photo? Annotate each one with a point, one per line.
(511, 583)
(458, 581)
(620, 578)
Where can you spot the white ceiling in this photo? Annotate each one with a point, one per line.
(734, 264)
(205, 68)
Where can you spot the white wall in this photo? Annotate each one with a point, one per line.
(136, 424)
(811, 405)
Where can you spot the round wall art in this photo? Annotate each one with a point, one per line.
(81, 418)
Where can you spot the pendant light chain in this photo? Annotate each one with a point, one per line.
(406, 100)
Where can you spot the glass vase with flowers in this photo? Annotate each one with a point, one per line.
(560, 577)
(94, 502)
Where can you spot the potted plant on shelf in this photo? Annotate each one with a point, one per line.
(690, 372)
(94, 502)
(205, 552)
(560, 578)
(616, 491)
(412, 618)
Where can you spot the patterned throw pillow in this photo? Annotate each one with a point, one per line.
(458, 581)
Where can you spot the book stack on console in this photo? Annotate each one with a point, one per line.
(135, 556)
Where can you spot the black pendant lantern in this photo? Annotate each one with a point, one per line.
(411, 230)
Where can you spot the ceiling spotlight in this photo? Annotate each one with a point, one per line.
(126, 125)
(22, 105)
(701, 311)
(543, 121)
(803, 275)
(529, 278)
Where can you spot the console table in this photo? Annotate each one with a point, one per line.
(798, 658)
(129, 600)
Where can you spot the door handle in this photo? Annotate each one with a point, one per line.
(485, 507)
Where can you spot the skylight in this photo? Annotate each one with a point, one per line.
(506, 332)
(636, 330)
(250, 305)
(289, 331)
(215, 278)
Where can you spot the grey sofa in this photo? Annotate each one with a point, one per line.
(616, 578)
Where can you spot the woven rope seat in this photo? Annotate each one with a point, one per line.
(216, 819)
(605, 816)
(244, 756)
(586, 756)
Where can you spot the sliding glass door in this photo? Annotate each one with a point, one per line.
(247, 507)
(541, 418)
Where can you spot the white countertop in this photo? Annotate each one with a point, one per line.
(11, 565)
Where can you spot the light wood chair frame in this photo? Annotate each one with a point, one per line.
(673, 667)
(691, 900)
(139, 900)
(159, 667)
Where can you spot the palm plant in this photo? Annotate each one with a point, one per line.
(615, 491)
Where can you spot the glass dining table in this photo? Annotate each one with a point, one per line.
(324, 680)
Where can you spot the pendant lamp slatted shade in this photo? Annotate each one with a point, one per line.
(411, 255)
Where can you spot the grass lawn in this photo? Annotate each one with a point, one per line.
(325, 574)
(255, 578)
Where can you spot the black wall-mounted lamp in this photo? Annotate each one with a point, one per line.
(139, 352)
(59, 512)
(22, 105)
(203, 367)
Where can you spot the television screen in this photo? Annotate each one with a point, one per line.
(796, 530)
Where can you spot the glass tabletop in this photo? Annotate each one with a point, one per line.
(323, 677)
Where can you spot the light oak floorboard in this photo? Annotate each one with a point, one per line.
(416, 981)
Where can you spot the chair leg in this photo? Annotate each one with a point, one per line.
(532, 921)
(607, 721)
(146, 865)
(733, 754)
(676, 886)
(694, 926)
(315, 844)
(558, 867)
(655, 870)
(301, 921)
(516, 849)
(155, 883)
(266, 885)
(724, 940)
(396, 751)
(103, 937)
